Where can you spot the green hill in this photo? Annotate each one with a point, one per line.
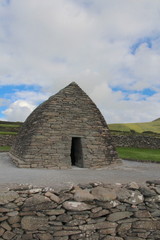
(146, 127)
(10, 128)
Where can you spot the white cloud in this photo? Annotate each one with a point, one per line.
(51, 43)
(18, 111)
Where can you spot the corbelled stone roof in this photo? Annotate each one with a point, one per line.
(66, 119)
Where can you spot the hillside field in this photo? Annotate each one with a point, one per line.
(145, 127)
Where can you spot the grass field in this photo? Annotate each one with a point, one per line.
(139, 154)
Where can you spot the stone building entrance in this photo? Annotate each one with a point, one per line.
(76, 152)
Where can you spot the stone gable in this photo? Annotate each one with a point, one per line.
(67, 129)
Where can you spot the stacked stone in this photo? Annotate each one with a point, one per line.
(138, 141)
(90, 212)
(45, 139)
(7, 140)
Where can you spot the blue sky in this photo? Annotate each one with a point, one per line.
(110, 48)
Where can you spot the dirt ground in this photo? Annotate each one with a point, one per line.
(127, 172)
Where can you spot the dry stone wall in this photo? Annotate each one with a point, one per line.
(119, 141)
(7, 140)
(89, 212)
(136, 141)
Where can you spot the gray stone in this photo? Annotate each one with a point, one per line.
(128, 196)
(6, 197)
(55, 212)
(147, 225)
(104, 194)
(133, 185)
(83, 195)
(119, 215)
(123, 194)
(65, 233)
(147, 192)
(142, 214)
(112, 238)
(34, 223)
(14, 219)
(6, 226)
(101, 225)
(135, 198)
(12, 214)
(53, 197)
(45, 236)
(64, 218)
(156, 182)
(76, 206)
(157, 189)
(101, 213)
(38, 202)
(123, 229)
(155, 213)
(1, 231)
(8, 235)
(134, 238)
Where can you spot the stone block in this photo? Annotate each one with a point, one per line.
(76, 206)
(104, 194)
(34, 223)
(119, 215)
(6, 197)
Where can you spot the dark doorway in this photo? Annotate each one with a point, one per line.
(76, 152)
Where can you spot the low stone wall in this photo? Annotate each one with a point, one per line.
(119, 141)
(7, 140)
(89, 212)
(138, 141)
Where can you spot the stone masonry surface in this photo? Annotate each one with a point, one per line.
(136, 141)
(45, 139)
(84, 212)
(119, 141)
(7, 140)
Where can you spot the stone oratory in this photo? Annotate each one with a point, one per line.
(64, 131)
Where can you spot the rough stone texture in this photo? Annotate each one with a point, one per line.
(119, 215)
(104, 194)
(7, 140)
(82, 195)
(34, 223)
(99, 219)
(138, 141)
(6, 197)
(76, 206)
(47, 136)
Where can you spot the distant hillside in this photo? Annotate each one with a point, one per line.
(10, 128)
(145, 127)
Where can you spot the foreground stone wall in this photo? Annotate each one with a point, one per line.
(136, 141)
(90, 212)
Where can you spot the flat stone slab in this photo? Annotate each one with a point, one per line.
(128, 171)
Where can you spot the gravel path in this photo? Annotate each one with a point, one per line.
(128, 171)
